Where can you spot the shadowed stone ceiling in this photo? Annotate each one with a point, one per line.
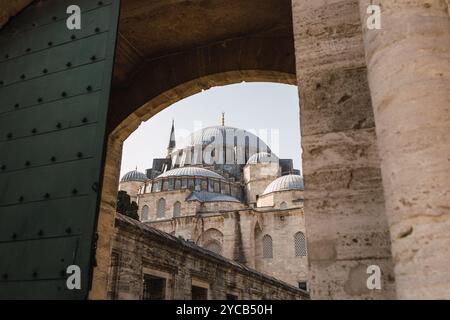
(153, 29)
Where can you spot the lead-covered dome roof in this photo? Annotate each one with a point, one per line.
(191, 172)
(283, 183)
(133, 176)
(225, 136)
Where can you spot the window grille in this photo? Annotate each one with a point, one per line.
(144, 215)
(177, 209)
(161, 208)
(300, 244)
(267, 246)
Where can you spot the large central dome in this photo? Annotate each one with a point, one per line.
(221, 148)
(224, 135)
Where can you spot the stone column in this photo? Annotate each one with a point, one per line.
(344, 204)
(409, 74)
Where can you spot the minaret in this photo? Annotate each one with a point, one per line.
(171, 140)
(223, 119)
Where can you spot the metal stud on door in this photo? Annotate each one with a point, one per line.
(54, 90)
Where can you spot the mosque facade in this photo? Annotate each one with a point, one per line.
(224, 190)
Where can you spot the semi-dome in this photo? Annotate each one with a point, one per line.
(191, 172)
(262, 157)
(288, 182)
(133, 176)
(225, 135)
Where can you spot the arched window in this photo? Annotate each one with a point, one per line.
(267, 247)
(177, 209)
(300, 244)
(283, 205)
(161, 208)
(144, 215)
(214, 246)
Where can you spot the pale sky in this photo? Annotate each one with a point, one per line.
(269, 110)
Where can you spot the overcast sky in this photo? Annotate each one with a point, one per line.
(267, 109)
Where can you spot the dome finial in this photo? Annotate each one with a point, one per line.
(223, 119)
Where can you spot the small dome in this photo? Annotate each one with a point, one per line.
(133, 176)
(288, 182)
(191, 172)
(262, 157)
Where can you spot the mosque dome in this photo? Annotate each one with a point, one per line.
(227, 136)
(283, 183)
(262, 157)
(191, 172)
(133, 176)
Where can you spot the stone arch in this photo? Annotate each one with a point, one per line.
(132, 121)
(140, 113)
(209, 237)
(214, 246)
(323, 64)
(250, 41)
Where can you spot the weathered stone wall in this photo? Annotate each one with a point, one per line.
(409, 74)
(344, 202)
(105, 224)
(130, 187)
(238, 239)
(257, 177)
(171, 197)
(140, 249)
(281, 226)
(192, 227)
(292, 198)
(213, 207)
(210, 235)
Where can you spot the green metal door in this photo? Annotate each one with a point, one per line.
(54, 91)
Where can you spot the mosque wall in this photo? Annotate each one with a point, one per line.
(131, 188)
(284, 263)
(140, 251)
(151, 200)
(235, 232)
(207, 207)
(258, 177)
(290, 198)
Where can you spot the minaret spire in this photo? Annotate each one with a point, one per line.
(172, 144)
(223, 119)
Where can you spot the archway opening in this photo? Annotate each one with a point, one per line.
(156, 66)
(204, 207)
